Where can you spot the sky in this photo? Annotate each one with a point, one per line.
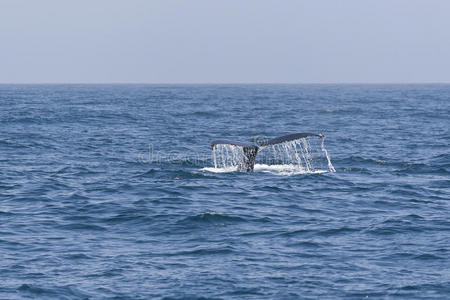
(224, 41)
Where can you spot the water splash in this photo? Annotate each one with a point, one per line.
(324, 150)
(301, 156)
(227, 156)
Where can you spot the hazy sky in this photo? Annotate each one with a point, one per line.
(226, 41)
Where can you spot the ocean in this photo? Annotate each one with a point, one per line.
(110, 192)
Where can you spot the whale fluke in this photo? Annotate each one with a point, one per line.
(287, 138)
(250, 150)
(225, 142)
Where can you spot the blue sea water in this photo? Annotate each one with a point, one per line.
(104, 193)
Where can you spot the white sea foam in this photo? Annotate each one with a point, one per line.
(284, 170)
(220, 170)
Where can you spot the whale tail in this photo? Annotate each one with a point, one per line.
(250, 150)
(248, 161)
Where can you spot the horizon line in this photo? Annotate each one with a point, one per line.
(222, 83)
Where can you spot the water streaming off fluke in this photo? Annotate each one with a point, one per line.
(303, 155)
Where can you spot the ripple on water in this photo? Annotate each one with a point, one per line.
(60, 292)
(211, 218)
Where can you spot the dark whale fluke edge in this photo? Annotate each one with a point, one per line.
(250, 150)
(288, 138)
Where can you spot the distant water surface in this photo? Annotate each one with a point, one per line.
(104, 193)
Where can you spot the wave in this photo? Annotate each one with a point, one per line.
(67, 291)
(173, 174)
(211, 218)
(200, 252)
(82, 226)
